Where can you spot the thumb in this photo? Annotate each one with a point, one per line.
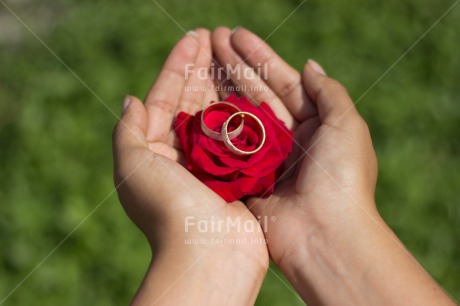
(130, 131)
(331, 98)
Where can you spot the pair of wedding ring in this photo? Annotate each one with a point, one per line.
(225, 135)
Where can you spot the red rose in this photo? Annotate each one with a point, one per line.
(229, 175)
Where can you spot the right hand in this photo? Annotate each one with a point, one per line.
(333, 167)
(328, 238)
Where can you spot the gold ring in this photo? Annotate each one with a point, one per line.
(230, 145)
(216, 135)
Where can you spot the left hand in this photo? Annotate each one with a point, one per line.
(160, 195)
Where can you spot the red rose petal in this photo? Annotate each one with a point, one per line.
(233, 176)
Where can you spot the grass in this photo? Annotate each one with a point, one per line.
(55, 144)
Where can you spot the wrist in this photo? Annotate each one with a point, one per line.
(321, 227)
(193, 237)
(358, 259)
(329, 248)
(205, 274)
(210, 265)
(207, 253)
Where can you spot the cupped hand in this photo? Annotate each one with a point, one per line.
(328, 239)
(168, 203)
(331, 172)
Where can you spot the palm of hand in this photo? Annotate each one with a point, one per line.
(162, 195)
(311, 185)
(324, 167)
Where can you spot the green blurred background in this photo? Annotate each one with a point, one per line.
(55, 135)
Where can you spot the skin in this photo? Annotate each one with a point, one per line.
(148, 175)
(328, 239)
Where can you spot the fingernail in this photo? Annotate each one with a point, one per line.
(193, 34)
(235, 29)
(126, 103)
(316, 67)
